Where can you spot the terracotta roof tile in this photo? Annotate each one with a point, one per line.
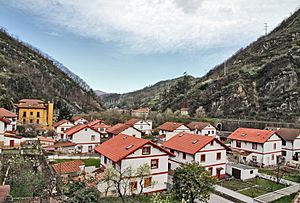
(4, 192)
(45, 139)
(61, 144)
(76, 118)
(60, 123)
(197, 125)
(68, 167)
(94, 122)
(123, 145)
(251, 135)
(31, 103)
(132, 121)
(12, 135)
(118, 128)
(189, 143)
(6, 113)
(170, 126)
(78, 128)
(6, 121)
(288, 133)
(102, 125)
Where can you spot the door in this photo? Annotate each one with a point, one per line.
(219, 172)
(236, 173)
(11, 143)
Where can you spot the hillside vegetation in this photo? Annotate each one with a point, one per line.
(261, 81)
(25, 72)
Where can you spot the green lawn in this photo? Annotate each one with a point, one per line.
(286, 199)
(252, 187)
(87, 162)
(295, 177)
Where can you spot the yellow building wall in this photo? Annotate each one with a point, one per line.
(45, 118)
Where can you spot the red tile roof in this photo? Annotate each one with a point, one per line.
(116, 148)
(132, 121)
(118, 128)
(75, 118)
(189, 143)
(251, 135)
(45, 139)
(68, 167)
(94, 122)
(4, 192)
(170, 126)
(102, 125)
(11, 135)
(78, 128)
(60, 123)
(6, 113)
(288, 133)
(31, 103)
(197, 125)
(4, 120)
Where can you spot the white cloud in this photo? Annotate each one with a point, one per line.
(163, 25)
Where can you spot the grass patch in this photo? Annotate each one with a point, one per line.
(295, 177)
(252, 187)
(87, 162)
(286, 199)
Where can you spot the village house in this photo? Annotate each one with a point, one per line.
(290, 143)
(94, 122)
(46, 141)
(78, 120)
(69, 168)
(206, 150)
(169, 129)
(203, 128)
(35, 112)
(140, 113)
(102, 128)
(258, 147)
(60, 128)
(61, 147)
(10, 116)
(85, 137)
(143, 125)
(122, 128)
(124, 151)
(184, 111)
(8, 139)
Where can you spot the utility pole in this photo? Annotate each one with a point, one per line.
(266, 28)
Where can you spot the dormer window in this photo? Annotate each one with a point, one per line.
(129, 147)
(146, 150)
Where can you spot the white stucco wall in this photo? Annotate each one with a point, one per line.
(144, 126)
(170, 134)
(132, 132)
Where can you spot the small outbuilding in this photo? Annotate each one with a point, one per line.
(241, 171)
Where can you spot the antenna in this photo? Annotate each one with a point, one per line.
(266, 28)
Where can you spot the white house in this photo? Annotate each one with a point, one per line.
(102, 128)
(203, 128)
(78, 120)
(169, 129)
(8, 139)
(206, 150)
(290, 143)
(143, 125)
(12, 126)
(123, 151)
(60, 128)
(121, 128)
(85, 137)
(262, 147)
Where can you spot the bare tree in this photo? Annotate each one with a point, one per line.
(142, 172)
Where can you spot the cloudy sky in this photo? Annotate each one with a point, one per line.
(124, 45)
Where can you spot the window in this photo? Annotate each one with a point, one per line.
(31, 121)
(105, 160)
(38, 114)
(283, 153)
(212, 132)
(133, 186)
(183, 155)
(251, 172)
(86, 129)
(238, 144)
(274, 146)
(90, 148)
(254, 158)
(283, 142)
(172, 151)
(92, 137)
(211, 143)
(147, 182)
(210, 170)
(208, 132)
(202, 158)
(62, 129)
(24, 121)
(31, 113)
(24, 114)
(273, 157)
(154, 163)
(146, 150)
(37, 121)
(218, 155)
(254, 145)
